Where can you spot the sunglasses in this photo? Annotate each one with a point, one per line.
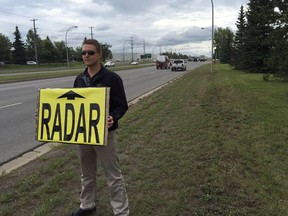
(89, 52)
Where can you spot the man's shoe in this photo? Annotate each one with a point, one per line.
(84, 212)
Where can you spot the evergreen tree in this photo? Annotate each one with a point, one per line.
(259, 27)
(238, 51)
(278, 59)
(19, 52)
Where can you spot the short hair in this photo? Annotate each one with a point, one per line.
(95, 43)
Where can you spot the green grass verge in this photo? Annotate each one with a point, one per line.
(16, 73)
(207, 144)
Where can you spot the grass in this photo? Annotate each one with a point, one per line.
(207, 144)
(14, 73)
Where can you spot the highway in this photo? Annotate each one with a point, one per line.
(18, 102)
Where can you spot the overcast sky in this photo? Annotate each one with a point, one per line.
(162, 25)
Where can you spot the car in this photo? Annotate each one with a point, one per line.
(134, 63)
(31, 63)
(109, 64)
(178, 64)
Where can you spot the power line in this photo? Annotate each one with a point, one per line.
(12, 14)
(18, 15)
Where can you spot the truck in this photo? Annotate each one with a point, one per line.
(162, 61)
(202, 58)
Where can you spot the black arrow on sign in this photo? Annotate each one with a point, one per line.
(71, 95)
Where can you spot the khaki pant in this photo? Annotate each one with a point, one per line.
(88, 163)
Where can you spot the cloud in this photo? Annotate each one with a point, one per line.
(189, 35)
(168, 22)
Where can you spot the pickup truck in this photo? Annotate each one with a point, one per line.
(178, 64)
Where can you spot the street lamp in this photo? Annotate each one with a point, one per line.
(67, 50)
(212, 36)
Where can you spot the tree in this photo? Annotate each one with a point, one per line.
(49, 52)
(223, 40)
(175, 55)
(256, 38)
(32, 40)
(78, 53)
(106, 52)
(5, 51)
(30, 51)
(19, 52)
(278, 60)
(61, 50)
(238, 57)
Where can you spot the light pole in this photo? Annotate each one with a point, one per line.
(67, 50)
(212, 57)
(212, 38)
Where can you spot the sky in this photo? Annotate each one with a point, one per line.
(152, 26)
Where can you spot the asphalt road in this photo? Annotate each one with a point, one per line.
(18, 102)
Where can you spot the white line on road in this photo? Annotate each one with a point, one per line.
(10, 105)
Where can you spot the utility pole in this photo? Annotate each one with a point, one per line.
(144, 47)
(35, 40)
(132, 48)
(91, 32)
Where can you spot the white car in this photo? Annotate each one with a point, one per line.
(178, 64)
(134, 63)
(31, 63)
(109, 64)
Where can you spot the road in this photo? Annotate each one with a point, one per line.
(18, 102)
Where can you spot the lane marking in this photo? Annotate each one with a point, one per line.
(10, 105)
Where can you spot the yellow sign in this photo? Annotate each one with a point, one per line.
(76, 115)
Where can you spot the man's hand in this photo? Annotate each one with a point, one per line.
(110, 121)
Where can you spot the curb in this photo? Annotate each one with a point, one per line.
(26, 158)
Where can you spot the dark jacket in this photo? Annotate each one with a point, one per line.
(106, 78)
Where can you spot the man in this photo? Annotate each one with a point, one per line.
(95, 75)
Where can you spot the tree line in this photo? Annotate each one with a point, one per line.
(42, 50)
(260, 43)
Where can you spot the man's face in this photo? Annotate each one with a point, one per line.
(90, 55)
